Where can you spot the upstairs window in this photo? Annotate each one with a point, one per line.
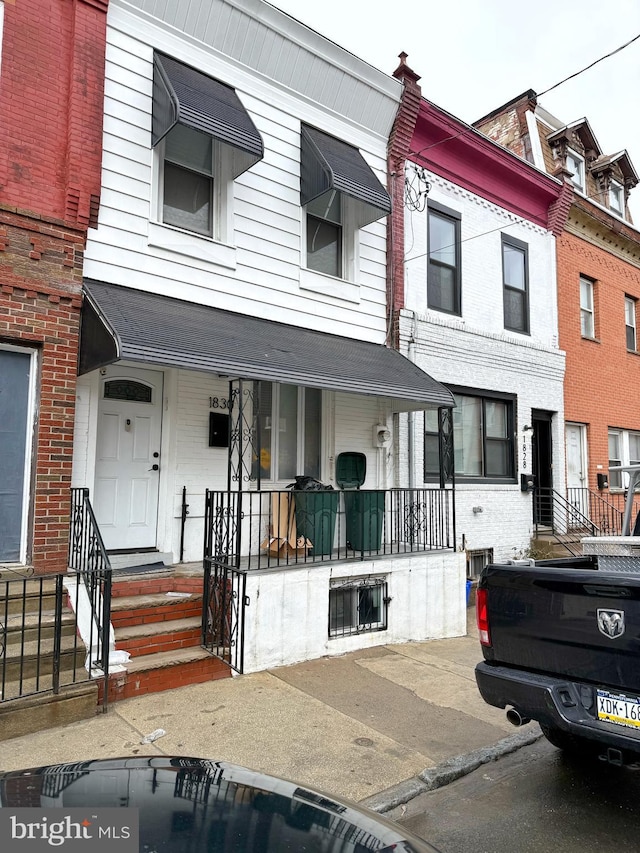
(515, 275)
(630, 323)
(575, 164)
(587, 321)
(339, 194)
(204, 139)
(324, 235)
(443, 273)
(616, 198)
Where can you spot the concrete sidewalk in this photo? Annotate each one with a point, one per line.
(378, 725)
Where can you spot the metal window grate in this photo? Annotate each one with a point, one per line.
(477, 560)
(358, 606)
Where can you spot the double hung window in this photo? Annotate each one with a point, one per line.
(575, 164)
(624, 449)
(630, 323)
(339, 194)
(289, 427)
(204, 139)
(587, 317)
(616, 198)
(515, 276)
(443, 274)
(482, 438)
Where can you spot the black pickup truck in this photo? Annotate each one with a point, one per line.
(561, 645)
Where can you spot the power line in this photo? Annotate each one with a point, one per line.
(471, 129)
(519, 221)
(587, 67)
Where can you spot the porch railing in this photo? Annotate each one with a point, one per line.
(91, 598)
(267, 529)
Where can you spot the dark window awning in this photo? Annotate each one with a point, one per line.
(327, 164)
(182, 95)
(122, 323)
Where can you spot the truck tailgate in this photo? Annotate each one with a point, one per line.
(580, 623)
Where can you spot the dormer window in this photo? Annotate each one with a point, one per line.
(575, 165)
(616, 198)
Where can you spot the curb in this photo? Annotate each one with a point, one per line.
(447, 771)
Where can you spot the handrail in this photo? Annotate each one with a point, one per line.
(89, 558)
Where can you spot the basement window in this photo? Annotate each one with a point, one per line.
(358, 606)
(477, 560)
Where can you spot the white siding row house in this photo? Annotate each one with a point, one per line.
(234, 330)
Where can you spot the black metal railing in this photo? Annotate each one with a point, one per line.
(55, 629)
(561, 515)
(223, 606)
(40, 646)
(266, 529)
(88, 557)
(606, 510)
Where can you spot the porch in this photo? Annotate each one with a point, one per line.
(297, 575)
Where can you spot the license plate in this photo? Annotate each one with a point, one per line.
(618, 708)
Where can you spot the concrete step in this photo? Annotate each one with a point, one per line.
(165, 671)
(153, 637)
(32, 626)
(23, 716)
(130, 610)
(29, 595)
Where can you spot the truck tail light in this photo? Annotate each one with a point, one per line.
(482, 617)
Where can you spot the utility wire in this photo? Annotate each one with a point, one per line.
(470, 129)
(587, 67)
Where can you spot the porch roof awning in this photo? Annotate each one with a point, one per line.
(183, 95)
(120, 323)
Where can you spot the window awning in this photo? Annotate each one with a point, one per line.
(328, 164)
(182, 95)
(133, 325)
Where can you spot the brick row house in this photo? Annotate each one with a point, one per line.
(598, 270)
(50, 156)
(474, 297)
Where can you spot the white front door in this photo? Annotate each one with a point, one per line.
(128, 457)
(577, 467)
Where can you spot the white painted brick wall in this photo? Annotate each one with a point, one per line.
(474, 351)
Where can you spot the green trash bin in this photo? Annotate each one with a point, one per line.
(316, 518)
(364, 516)
(364, 511)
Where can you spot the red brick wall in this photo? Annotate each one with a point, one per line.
(602, 378)
(51, 103)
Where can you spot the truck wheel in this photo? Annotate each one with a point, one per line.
(571, 744)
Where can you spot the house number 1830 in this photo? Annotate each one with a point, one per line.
(218, 403)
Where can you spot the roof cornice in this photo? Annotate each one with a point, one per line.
(458, 152)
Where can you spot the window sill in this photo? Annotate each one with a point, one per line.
(191, 245)
(338, 288)
(592, 340)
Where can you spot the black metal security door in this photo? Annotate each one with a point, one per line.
(542, 468)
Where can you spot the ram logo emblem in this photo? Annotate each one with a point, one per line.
(611, 623)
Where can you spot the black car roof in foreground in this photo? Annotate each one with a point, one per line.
(198, 805)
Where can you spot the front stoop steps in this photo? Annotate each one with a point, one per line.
(157, 619)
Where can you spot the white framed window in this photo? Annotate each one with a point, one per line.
(630, 323)
(195, 183)
(587, 317)
(290, 424)
(624, 449)
(575, 164)
(616, 198)
(358, 606)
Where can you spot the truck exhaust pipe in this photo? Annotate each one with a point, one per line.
(516, 718)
